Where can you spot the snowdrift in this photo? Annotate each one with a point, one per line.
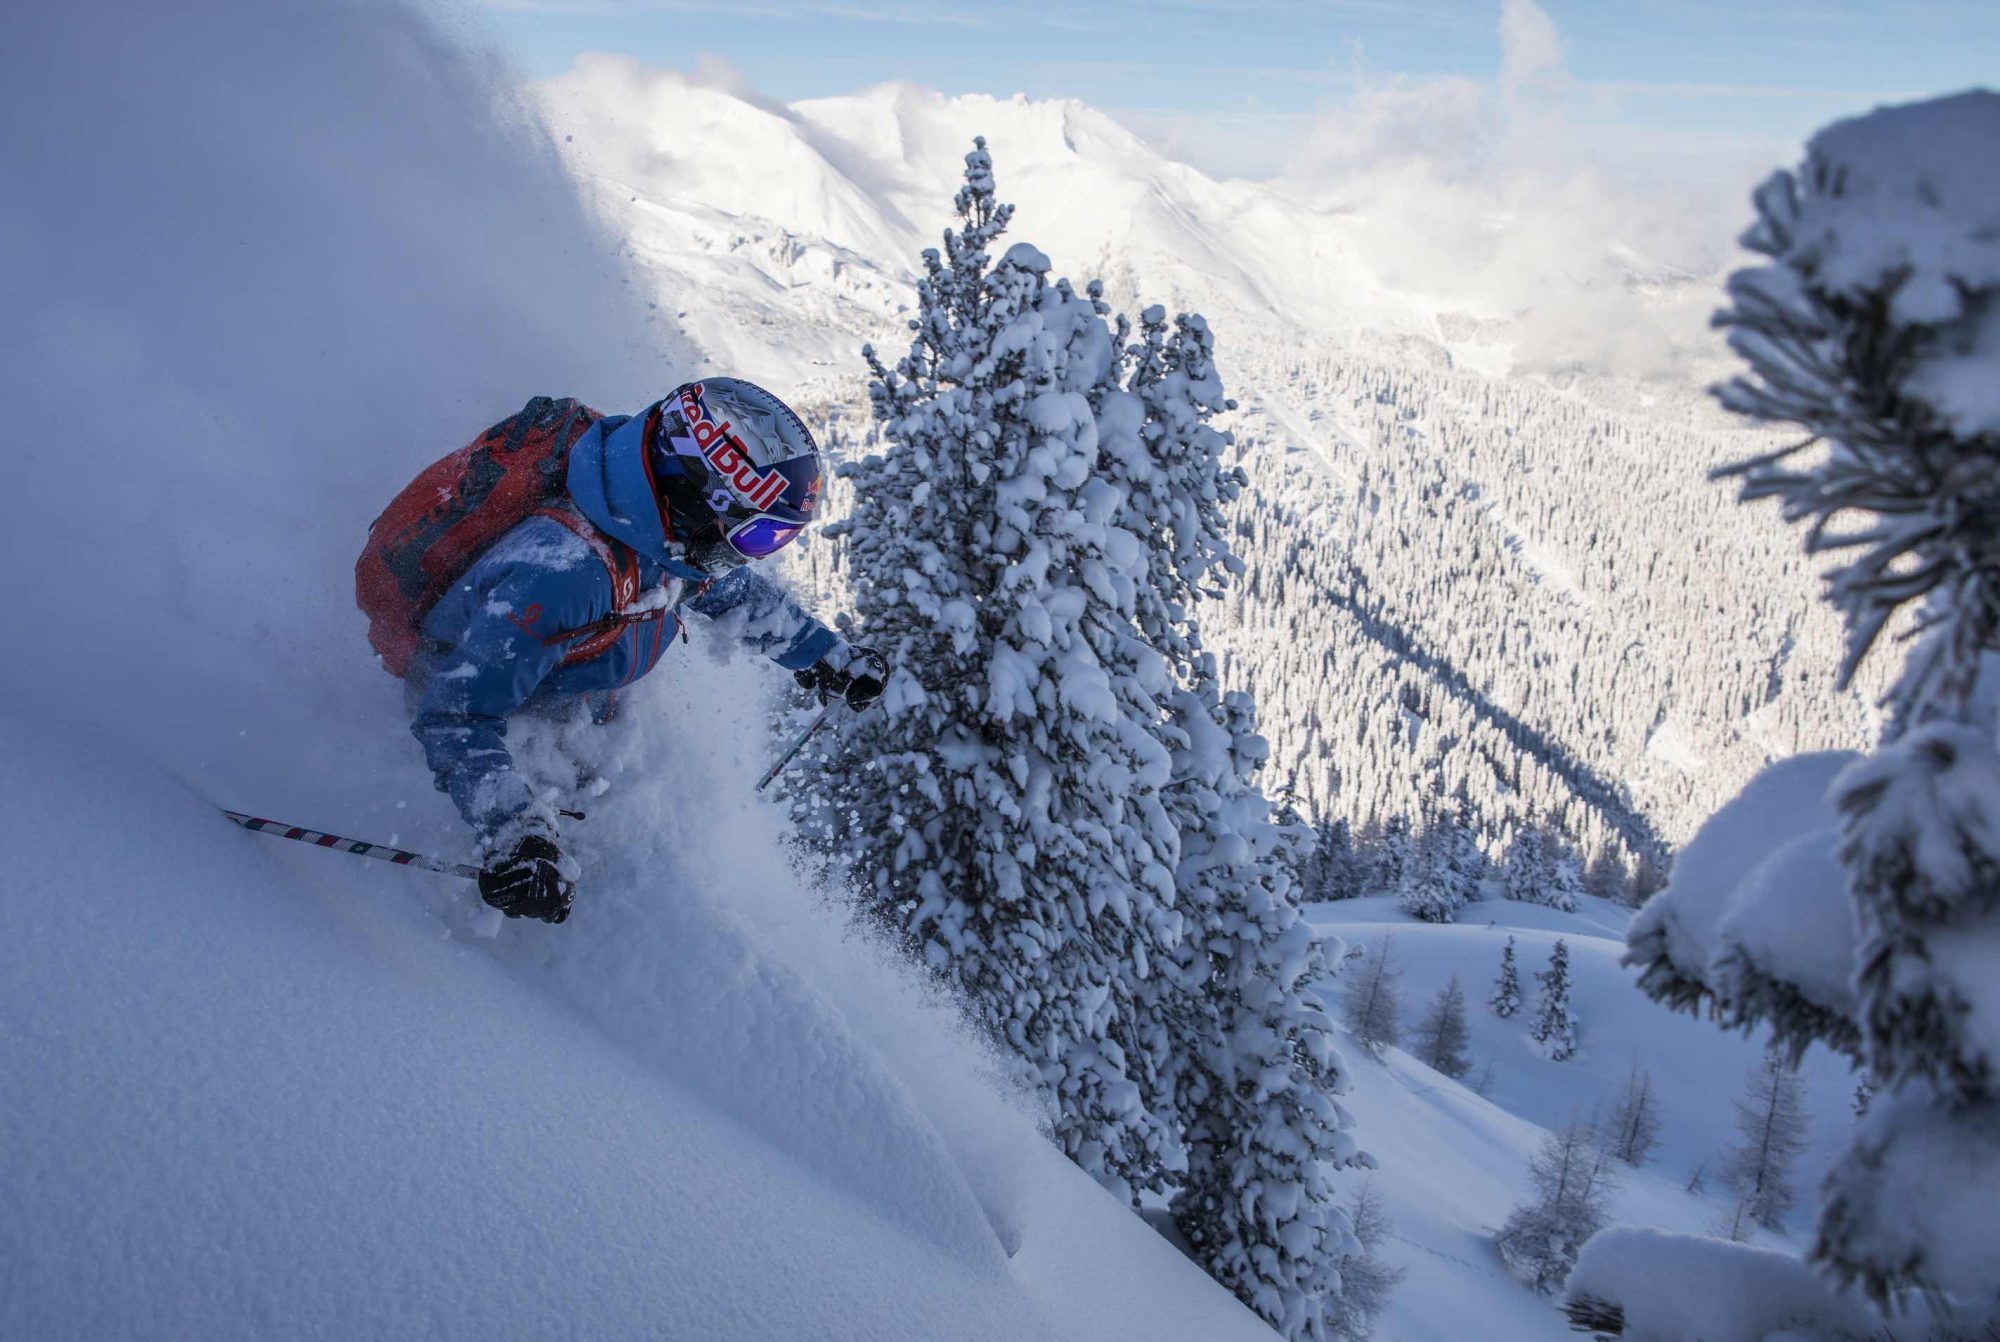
(1453, 1162)
(260, 266)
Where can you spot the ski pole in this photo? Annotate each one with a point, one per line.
(279, 829)
(875, 659)
(799, 744)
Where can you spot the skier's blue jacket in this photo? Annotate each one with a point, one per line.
(490, 648)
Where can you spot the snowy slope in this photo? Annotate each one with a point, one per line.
(1453, 1163)
(257, 272)
(267, 1094)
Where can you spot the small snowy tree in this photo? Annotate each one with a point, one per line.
(1540, 870)
(1771, 1121)
(1442, 1037)
(1572, 1183)
(1391, 858)
(1649, 875)
(1633, 1128)
(1606, 877)
(1337, 862)
(1565, 885)
(1506, 999)
(1554, 1027)
(1430, 890)
(1443, 871)
(1366, 1279)
(1468, 861)
(1303, 839)
(1371, 1004)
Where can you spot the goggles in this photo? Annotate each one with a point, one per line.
(761, 535)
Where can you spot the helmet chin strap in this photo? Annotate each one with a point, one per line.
(682, 483)
(712, 554)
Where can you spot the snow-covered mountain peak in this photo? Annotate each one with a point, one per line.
(872, 175)
(680, 140)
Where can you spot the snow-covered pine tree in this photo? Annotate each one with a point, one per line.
(1540, 869)
(1869, 326)
(1921, 844)
(1258, 1073)
(1572, 1185)
(1567, 879)
(1529, 866)
(1366, 1279)
(1432, 890)
(1226, 1016)
(1506, 998)
(1391, 857)
(1371, 1004)
(1554, 1026)
(1771, 1120)
(1469, 863)
(1869, 330)
(1606, 876)
(1001, 811)
(1633, 1128)
(1304, 838)
(1427, 894)
(1442, 1037)
(1649, 875)
(1565, 885)
(1337, 861)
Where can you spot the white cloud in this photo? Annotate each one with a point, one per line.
(1531, 50)
(1595, 244)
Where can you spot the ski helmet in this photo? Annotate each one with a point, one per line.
(738, 472)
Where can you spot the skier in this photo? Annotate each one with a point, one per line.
(547, 565)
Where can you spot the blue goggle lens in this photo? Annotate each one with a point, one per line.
(762, 535)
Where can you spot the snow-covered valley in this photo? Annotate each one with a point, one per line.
(1453, 1161)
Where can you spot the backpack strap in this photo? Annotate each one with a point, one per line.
(622, 566)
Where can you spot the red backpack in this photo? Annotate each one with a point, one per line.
(433, 531)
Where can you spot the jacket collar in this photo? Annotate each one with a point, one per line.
(611, 485)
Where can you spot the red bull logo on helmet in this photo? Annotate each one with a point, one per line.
(725, 451)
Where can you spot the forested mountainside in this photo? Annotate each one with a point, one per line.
(1463, 573)
(1499, 590)
(1497, 600)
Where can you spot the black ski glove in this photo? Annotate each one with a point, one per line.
(859, 679)
(529, 883)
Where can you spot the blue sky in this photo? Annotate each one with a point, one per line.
(1236, 79)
